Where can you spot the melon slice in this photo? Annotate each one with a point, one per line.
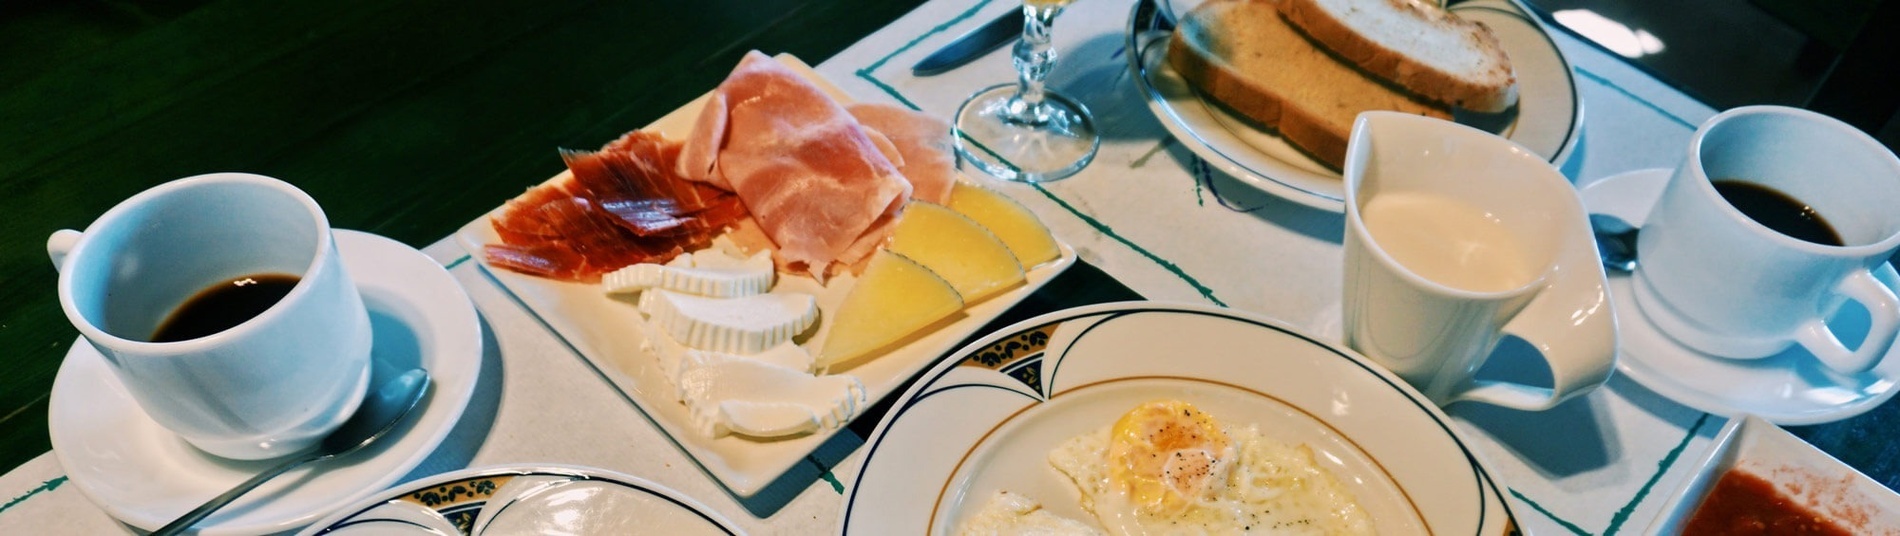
(1011, 222)
(895, 297)
(957, 249)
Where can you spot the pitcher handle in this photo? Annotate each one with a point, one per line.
(1574, 331)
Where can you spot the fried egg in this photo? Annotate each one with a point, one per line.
(1168, 455)
(1166, 467)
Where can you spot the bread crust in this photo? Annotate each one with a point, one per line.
(1492, 90)
(1302, 124)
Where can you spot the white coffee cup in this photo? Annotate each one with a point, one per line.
(1723, 283)
(269, 386)
(1455, 238)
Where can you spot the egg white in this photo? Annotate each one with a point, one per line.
(1015, 514)
(1273, 488)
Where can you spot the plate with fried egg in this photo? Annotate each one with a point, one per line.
(1155, 418)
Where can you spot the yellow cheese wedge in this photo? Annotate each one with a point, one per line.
(1011, 222)
(961, 251)
(895, 297)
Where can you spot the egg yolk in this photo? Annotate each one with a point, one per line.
(1166, 455)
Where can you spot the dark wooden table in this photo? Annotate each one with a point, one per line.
(405, 119)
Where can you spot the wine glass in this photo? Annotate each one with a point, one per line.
(1022, 131)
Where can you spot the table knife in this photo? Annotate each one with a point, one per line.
(969, 46)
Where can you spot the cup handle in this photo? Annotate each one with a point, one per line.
(1575, 333)
(61, 243)
(1883, 311)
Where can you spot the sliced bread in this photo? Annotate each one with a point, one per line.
(1417, 45)
(1242, 54)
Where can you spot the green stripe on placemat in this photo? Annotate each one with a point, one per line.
(835, 484)
(1623, 514)
(46, 486)
(867, 74)
(1662, 467)
(1574, 529)
(1106, 231)
(457, 262)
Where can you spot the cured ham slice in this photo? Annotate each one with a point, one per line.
(886, 147)
(807, 171)
(623, 205)
(923, 143)
(702, 150)
(873, 238)
(586, 241)
(924, 155)
(521, 220)
(634, 179)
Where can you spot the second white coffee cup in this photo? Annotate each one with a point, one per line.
(1775, 216)
(274, 383)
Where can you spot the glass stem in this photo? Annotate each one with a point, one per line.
(1034, 59)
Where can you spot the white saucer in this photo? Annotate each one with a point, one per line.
(145, 476)
(1790, 388)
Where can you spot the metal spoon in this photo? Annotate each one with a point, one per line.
(1616, 242)
(385, 407)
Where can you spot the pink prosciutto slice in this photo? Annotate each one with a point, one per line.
(807, 171)
(923, 143)
(698, 157)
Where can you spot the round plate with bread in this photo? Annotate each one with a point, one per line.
(1266, 90)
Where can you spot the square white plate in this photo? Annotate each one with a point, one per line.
(1810, 477)
(606, 331)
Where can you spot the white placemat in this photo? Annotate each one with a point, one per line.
(1148, 213)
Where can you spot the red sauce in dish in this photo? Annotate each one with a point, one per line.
(1743, 504)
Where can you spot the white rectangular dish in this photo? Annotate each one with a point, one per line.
(1807, 476)
(605, 329)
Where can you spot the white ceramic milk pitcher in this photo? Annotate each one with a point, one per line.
(1456, 237)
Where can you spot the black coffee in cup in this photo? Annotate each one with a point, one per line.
(1778, 211)
(224, 306)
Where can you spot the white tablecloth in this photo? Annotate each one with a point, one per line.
(1148, 214)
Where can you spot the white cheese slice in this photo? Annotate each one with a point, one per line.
(674, 359)
(787, 355)
(736, 395)
(744, 325)
(668, 353)
(710, 273)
